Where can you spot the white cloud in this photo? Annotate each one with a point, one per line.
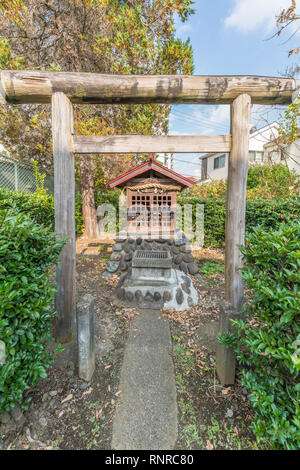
(249, 15)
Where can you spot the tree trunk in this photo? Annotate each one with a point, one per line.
(88, 198)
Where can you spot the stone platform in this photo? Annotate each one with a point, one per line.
(176, 292)
(124, 247)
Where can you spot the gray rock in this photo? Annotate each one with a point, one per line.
(53, 393)
(117, 247)
(112, 266)
(157, 296)
(148, 297)
(190, 302)
(188, 258)
(138, 295)
(129, 296)
(179, 296)
(178, 259)
(193, 268)
(185, 288)
(127, 247)
(123, 266)
(183, 267)
(106, 274)
(187, 280)
(84, 386)
(131, 240)
(147, 246)
(133, 246)
(167, 296)
(121, 281)
(139, 241)
(128, 257)
(175, 250)
(116, 256)
(198, 277)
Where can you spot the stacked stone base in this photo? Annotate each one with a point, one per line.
(124, 248)
(179, 294)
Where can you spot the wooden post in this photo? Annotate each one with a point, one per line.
(235, 222)
(64, 207)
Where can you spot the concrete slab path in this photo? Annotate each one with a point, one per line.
(146, 415)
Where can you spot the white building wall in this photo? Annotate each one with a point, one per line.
(261, 150)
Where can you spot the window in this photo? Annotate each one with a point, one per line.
(219, 162)
(251, 156)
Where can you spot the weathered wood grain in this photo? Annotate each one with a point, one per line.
(151, 143)
(64, 206)
(236, 198)
(38, 86)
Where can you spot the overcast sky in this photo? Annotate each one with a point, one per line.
(229, 37)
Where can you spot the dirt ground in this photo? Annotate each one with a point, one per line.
(67, 413)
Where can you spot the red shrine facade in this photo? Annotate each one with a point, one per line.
(151, 196)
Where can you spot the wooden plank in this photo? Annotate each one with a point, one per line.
(236, 198)
(235, 230)
(151, 143)
(64, 206)
(23, 86)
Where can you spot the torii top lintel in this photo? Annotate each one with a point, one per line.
(123, 179)
(24, 86)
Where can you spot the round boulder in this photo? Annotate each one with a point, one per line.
(178, 259)
(112, 266)
(123, 266)
(193, 268)
(179, 296)
(117, 247)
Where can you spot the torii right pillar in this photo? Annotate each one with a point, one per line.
(235, 229)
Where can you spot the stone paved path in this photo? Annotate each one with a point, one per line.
(146, 416)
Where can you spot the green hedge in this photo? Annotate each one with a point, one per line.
(265, 212)
(27, 250)
(267, 338)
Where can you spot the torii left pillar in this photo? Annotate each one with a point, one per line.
(64, 209)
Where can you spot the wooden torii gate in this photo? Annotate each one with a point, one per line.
(64, 88)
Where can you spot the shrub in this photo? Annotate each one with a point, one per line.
(266, 336)
(27, 250)
(261, 212)
(40, 207)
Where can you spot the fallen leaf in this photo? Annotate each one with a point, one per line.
(118, 393)
(87, 392)
(68, 398)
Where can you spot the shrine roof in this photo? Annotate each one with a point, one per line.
(147, 166)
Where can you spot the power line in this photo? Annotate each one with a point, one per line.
(204, 123)
(201, 120)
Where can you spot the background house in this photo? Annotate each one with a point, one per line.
(165, 159)
(262, 148)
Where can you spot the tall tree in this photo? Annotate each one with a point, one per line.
(105, 36)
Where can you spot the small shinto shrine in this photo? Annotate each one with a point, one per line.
(150, 250)
(151, 193)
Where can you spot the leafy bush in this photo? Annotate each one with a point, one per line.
(40, 207)
(27, 250)
(261, 212)
(271, 181)
(266, 337)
